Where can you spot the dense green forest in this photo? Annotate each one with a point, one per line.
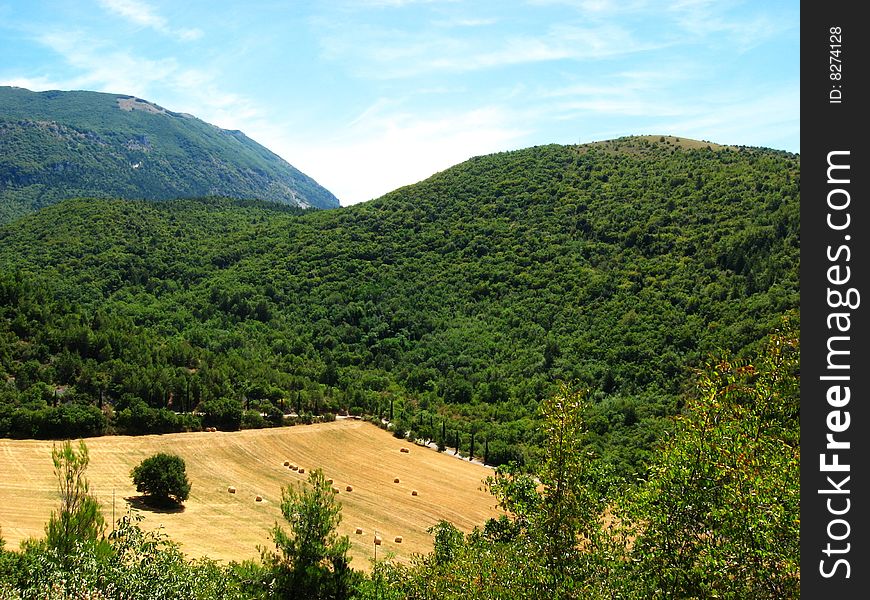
(56, 145)
(716, 516)
(452, 307)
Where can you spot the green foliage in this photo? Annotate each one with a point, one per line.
(557, 512)
(139, 418)
(162, 478)
(452, 307)
(448, 541)
(720, 514)
(716, 517)
(223, 413)
(252, 419)
(59, 145)
(79, 518)
(139, 565)
(462, 299)
(52, 422)
(311, 558)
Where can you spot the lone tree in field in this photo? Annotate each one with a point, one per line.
(162, 478)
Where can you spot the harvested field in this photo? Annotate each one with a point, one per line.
(229, 526)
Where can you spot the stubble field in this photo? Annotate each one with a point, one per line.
(228, 526)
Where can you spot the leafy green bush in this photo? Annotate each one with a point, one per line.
(140, 565)
(252, 419)
(162, 478)
(139, 418)
(223, 413)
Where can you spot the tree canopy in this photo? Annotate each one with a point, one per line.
(452, 306)
(162, 478)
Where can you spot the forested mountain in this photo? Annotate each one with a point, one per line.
(56, 145)
(455, 305)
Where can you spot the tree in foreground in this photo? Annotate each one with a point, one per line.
(162, 478)
(552, 543)
(717, 516)
(311, 558)
(720, 514)
(134, 564)
(79, 518)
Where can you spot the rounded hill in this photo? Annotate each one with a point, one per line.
(452, 307)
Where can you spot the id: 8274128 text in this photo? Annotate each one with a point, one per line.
(835, 65)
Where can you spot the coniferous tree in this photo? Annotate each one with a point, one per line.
(311, 558)
(79, 518)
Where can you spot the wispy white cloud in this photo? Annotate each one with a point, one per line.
(140, 13)
(389, 54)
(715, 22)
(466, 22)
(765, 119)
(596, 7)
(736, 24)
(399, 89)
(101, 67)
(34, 84)
(104, 67)
(632, 93)
(475, 22)
(398, 3)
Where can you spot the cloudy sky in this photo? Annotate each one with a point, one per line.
(369, 95)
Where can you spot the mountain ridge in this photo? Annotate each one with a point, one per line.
(60, 144)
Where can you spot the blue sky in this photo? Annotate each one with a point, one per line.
(369, 95)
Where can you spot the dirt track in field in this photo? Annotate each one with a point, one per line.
(228, 526)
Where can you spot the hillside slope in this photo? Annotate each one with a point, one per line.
(230, 526)
(56, 145)
(454, 305)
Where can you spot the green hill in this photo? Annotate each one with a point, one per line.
(455, 304)
(57, 145)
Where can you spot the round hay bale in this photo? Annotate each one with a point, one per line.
(359, 530)
(348, 488)
(377, 540)
(405, 450)
(329, 481)
(294, 468)
(301, 470)
(335, 490)
(396, 480)
(258, 499)
(231, 490)
(413, 492)
(398, 539)
(286, 463)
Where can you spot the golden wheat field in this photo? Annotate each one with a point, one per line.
(227, 526)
